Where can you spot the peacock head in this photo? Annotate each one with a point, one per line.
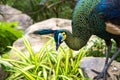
(59, 35)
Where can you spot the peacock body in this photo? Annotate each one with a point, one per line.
(87, 22)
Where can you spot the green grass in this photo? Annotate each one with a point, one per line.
(47, 64)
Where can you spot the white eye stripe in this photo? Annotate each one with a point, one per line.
(61, 36)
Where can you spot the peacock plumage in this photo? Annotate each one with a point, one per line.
(91, 17)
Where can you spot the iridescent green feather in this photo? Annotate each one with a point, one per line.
(86, 22)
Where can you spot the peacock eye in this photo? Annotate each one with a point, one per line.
(63, 33)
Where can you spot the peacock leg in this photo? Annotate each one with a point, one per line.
(113, 57)
(107, 65)
(103, 74)
(109, 46)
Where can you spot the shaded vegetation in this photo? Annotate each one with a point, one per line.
(43, 9)
(8, 34)
(99, 47)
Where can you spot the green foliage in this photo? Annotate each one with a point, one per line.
(8, 34)
(43, 9)
(99, 47)
(45, 65)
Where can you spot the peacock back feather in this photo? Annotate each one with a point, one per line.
(86, 21)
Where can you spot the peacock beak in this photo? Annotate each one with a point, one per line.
(57, 46)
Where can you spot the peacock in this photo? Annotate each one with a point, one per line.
(91, 17)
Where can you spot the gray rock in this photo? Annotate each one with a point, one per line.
(96, 63)
(9, 14)
(37, 41)
(53, 23)
(1, 18)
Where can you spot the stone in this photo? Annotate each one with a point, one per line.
(37, 41)
(88, 64)
(53, 23)
(9, 14)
